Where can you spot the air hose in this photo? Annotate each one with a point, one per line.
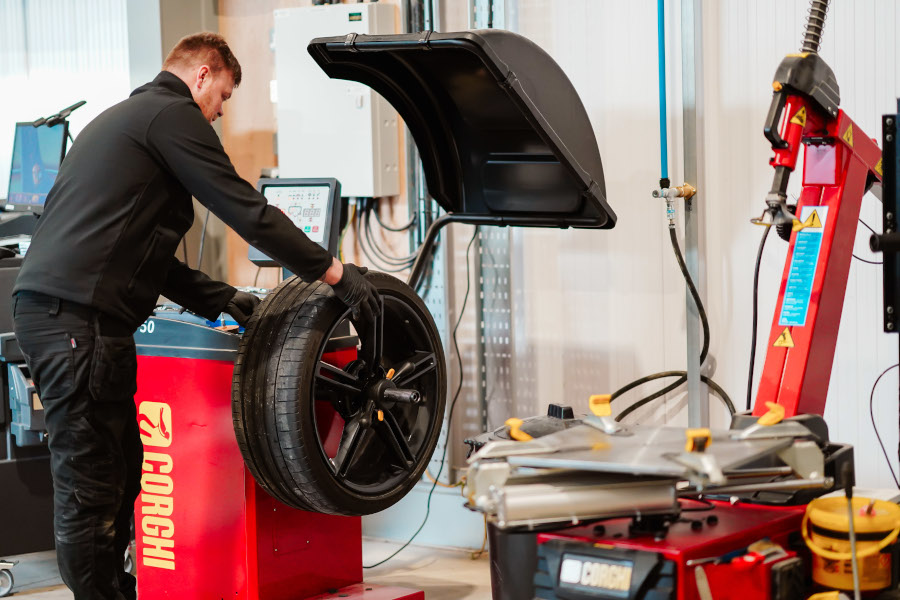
(664, 183)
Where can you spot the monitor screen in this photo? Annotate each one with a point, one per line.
(312, 204)
(37, 153)
(306, 206)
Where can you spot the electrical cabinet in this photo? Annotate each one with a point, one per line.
(331, 127)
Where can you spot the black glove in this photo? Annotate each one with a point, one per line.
(241, 306)
(357, 293)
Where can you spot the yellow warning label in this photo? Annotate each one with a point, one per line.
(799, 117)
(879, 169)
(848, 135)
(784, 340)
(811, 222)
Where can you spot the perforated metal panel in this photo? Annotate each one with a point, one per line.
(434, 293)
(495, 312)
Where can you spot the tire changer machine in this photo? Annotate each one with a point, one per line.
(584, 508)
(336, 417)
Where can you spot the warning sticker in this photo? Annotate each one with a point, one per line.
(812, 222)
(799, 117)
(879, 168)
(784, 340)
(807, 245)
(848, 135)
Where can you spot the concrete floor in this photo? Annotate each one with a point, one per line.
(442, 574)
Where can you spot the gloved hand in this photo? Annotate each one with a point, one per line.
(241, 306)
(357, 293)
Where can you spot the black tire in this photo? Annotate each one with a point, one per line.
(311, 430)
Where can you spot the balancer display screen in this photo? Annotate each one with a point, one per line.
(306, 206)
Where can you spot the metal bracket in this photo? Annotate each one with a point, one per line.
(805, 458)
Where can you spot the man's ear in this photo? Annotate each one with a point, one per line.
(202, 75)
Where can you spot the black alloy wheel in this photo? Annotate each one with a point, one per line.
(337, 415)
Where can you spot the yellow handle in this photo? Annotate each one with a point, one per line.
(832, 555)
(833, 595)
(599, 405)
(516, 433)
(698, 440)
(773, 416)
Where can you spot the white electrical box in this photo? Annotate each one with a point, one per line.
(331, 127)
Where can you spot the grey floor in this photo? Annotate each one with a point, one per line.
(442, 574)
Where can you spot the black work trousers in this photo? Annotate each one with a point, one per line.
(86, 381)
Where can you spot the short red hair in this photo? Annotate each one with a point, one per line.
(204, 48)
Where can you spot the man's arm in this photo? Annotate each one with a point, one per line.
(187, 145)
(196, 291)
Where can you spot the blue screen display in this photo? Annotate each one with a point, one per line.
(37, 152)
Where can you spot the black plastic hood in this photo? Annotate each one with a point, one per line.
(501, 130)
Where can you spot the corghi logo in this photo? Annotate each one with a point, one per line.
(156, 500)
(596, 574)
(155, 423)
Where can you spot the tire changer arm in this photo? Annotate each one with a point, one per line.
(839, 161)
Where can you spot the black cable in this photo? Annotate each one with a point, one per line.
(202, 240)
(682, 379)
(866, 225)
(630, 386)
(694, 294)
(875, 427)
(459, 387)
(256, 279)
(703, 353)
(373, 252)
(381, 224)
(871, 262)
(384, 256)
(369, 254)
(759, 254)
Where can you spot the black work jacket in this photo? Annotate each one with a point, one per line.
(121, 204)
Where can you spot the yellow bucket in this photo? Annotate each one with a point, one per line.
(826, 532)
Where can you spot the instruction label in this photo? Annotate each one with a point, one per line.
(795, 305)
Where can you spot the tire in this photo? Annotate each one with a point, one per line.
(6, 582)
(336, 435)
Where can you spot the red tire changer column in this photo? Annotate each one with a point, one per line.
(203, 527)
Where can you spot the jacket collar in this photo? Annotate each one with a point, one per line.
(168, 81)
(172, 82)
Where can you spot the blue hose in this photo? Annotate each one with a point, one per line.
(663, 137)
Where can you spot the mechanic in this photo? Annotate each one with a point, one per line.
(102, 253)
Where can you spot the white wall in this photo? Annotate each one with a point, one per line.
(54, 53)
(595, 310)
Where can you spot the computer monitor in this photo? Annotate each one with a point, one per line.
(37, 153)
(313, 205)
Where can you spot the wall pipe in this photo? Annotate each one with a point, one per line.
(663, 126)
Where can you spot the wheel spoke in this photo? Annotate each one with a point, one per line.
(420, 364)
(337, 379)
(373, 345)
(348, 450)
(393, 435)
